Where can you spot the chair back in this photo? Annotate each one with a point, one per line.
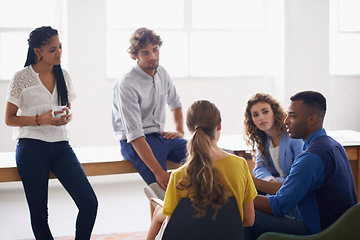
(183, 225)
(346, 227)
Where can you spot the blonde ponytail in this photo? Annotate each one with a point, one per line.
(200, 175)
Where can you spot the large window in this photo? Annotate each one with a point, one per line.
(17, 19)
(201, 38)
(344, 37)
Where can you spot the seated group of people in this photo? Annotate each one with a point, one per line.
(302, 183)
(302, 180)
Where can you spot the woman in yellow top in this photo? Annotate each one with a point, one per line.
(210, 175)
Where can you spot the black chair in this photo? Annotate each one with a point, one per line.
(183, 225)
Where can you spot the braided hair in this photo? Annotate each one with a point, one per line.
(40, 37)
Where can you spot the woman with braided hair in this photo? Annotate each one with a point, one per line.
(210, 175)
(43, 139)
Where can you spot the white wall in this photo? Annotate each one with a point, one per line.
(306, 54)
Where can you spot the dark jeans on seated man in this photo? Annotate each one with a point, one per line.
(164, 149)
(265, 222)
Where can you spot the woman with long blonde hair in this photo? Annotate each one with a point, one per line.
(210, 176)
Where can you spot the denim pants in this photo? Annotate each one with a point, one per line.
(163, 149)
(35, 159)
(265, 222)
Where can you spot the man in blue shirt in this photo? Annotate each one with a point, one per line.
(320, 183)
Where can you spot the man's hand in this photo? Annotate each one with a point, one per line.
(172, 135)
(163, 178)
(261, 203)
(267, 187)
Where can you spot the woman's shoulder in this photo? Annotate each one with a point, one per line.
(232, 161)
(291, 143)
(65, 71)
(25, 77)
(180, 170)
(66, 74)
(25, 72)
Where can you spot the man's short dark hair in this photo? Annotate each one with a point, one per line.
(313, 100)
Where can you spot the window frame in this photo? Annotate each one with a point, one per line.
(188, 30)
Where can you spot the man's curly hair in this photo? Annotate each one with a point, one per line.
(140, 38)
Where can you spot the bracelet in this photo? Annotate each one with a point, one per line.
(36, 120)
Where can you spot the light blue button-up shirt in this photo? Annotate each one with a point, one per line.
(139, 103)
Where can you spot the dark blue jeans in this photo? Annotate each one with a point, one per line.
(265, 222)
(163, 149)
(35, 159)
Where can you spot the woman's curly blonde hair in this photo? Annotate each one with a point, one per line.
(255, 137)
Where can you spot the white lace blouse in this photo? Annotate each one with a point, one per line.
(27, 92)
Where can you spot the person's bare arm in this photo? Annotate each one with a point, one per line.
(249, 214)
(261, 203)
(179, 125)
(11, 119)
(179, 120)
(147, 156)
(157, 220)
(15, 121)
(267, 187)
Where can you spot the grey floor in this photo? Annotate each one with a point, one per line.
(123, 207)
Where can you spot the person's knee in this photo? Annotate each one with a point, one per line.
(90, 205)
(157, 215)
(93, 205)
